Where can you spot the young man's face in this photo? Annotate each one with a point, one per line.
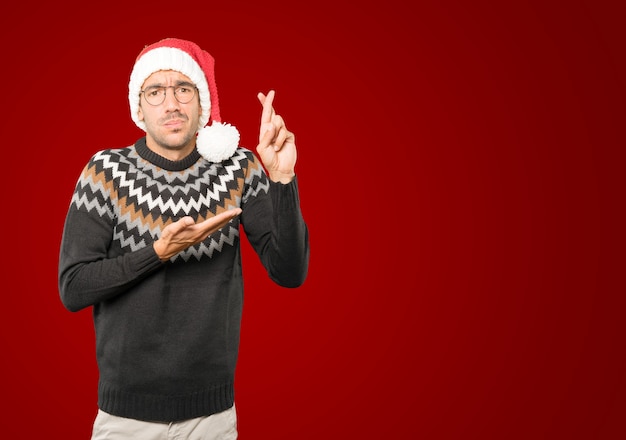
(171, 125)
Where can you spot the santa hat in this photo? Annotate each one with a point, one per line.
(216, 142)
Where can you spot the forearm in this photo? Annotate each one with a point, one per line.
(91, 267)
(83, 284)
(286, 254)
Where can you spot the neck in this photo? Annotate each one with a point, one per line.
(173, 153)
(163, 161)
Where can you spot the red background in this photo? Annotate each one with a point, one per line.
(462, 171)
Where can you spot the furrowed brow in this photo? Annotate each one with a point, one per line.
(151, 86)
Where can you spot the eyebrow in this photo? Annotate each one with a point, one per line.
(177, 84)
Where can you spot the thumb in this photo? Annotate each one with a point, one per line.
(182, 223)
(267, 137)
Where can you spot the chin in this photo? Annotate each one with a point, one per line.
(177, 141)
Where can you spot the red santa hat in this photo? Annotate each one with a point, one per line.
(216, 142)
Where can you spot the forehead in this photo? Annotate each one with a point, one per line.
(166, 77)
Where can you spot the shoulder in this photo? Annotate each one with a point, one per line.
(246, 158)
(107, 160)
(112, 154)
(243, 153)
(251, 166)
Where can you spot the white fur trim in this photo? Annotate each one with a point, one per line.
(217, 142)
(167, 58)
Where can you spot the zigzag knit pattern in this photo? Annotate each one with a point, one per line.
(140, 197)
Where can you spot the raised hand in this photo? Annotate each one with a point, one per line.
(277, 146)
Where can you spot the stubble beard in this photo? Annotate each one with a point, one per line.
(168, 144)
(171, 141)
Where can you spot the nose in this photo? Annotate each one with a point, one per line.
(170, 102)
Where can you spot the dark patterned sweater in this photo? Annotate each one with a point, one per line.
(167, 334)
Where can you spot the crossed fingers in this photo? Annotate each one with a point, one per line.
(270, 121)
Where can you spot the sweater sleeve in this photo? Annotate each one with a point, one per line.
(275, 228)
(89, 270)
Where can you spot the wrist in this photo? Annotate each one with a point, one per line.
(159, 249)
(277, 176)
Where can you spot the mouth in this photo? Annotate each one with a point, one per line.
(174, 123)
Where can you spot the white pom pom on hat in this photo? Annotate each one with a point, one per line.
(216, 142)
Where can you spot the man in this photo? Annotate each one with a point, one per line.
(151, 241)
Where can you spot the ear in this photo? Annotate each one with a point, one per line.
(140, 113)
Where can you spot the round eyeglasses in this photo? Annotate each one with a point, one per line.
(155, 95)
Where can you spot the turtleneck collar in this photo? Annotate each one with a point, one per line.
(160, 161)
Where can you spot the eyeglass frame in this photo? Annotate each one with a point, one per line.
(186, 84)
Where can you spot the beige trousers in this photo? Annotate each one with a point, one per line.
(220, 426)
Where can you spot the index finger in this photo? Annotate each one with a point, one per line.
(266, 115)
